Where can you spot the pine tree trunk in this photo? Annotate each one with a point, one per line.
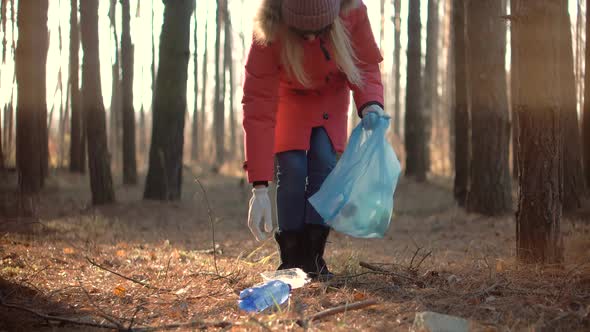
(514, 96)
(415, 131)
(382, 25)
(127, 55)
(31, 124)
(461, 111)
(3, 5)
(164, 178)
(537, 31)
(429, 97)
(195, 125)
(101, 182)
(116, 108)
(490, 189)
(219, 95)
(142, 134)
(397, 76)
(586, 111)
(228, 64)
(204, 91)
(573, 181)
(77, 160)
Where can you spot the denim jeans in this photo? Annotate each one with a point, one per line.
(300, 174)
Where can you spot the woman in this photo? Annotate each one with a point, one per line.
(305, 58)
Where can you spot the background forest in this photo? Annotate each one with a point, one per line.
(123, 203)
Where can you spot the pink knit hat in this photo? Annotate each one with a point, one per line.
(310, 15)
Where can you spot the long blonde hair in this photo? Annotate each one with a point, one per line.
(268, 26)
(344, 55)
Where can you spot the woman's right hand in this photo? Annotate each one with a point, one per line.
(259, 212)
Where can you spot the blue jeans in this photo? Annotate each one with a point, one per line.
(300, 174)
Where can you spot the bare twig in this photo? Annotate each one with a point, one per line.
(57, 318)
(372, 267)
(102, 313)
(144, 284)
(192, 324)
(414, 257)
(422, 260)
(336, 310)
(210, 213)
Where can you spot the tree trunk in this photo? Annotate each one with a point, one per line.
(127, 55)
(514, 96)
(573, 181)
(204, 91)
(537, 31)
(586, 112)
(101, 182)
(195, 126)
(164, 178)
(219, 95)
(397, 76)
(31, 122)
(382, 25)
(461, 114)
(3, 5)
(490, 189)
(228, 65)
(429, 97)
(116, 108)
(77, 159)
(142, 134)
(415, 135)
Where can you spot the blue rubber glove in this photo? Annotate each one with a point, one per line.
(371, 115)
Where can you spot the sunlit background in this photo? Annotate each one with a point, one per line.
(147, 19)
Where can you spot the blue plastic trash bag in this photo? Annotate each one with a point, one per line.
(357, 197)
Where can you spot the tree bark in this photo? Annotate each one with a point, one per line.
(429, 97)
(204, 91)
(586, 111)
(101, 182)
(415, 135)
(195, 125)
(219, 95)
(77, 141)
(31, 124)
(164, 178)
(397, 76)
(3, 5)
(573, 181)
(537, 30)
(228, 64)
(116, 107)
(127, 55)
(490, 188)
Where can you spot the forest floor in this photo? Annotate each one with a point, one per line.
(149, 265)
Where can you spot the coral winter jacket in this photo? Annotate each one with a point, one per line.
(279, 113)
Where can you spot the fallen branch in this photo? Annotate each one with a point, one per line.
(58, 318)
(193, 324)
(336, 310)
(144, 284)
(382, 270)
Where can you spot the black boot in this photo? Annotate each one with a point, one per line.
(289, 249)
(315, 243)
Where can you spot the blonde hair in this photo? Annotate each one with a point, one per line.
(344, 55)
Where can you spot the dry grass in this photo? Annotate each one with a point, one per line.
(435, 257)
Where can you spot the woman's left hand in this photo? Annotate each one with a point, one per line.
(371, 115)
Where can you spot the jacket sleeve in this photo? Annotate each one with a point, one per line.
(260, 102)
(369, 57)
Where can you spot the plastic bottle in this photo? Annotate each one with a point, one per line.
(258, 298)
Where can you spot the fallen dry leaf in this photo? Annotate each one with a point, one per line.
(120, 291)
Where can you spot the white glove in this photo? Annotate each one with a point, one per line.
(259, 211)
(371, 115)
